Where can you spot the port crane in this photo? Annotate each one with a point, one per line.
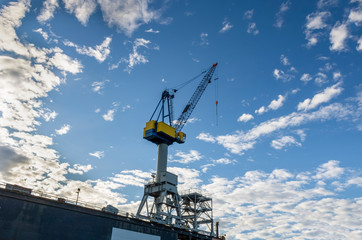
(163, 130)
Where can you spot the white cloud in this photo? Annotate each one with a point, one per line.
(109, 116)
(204, 41)
(320, 79)
(42, 33)
(99, 52)
(97, 154)
(245, 117)
(97, 192)
(239, 142)
(18, 92)
(80, 169)
(284, 60)
(186, 158)
(323, 97)
(315, 22)
(98, 86)
(327, 67)
(10, 158)
(280, 74)
(329, 170)
(327, 3)
(187, 178)
(261, 110)
(206, 137)
(193, 120)
(252, 29)
(279, 203)
(292, 69)
(337, 76)
(188, 13)
(323, 58)
(48, 114)
(306, 77)
(359, 46)
(226, 26)
(301, 134)
(279, 16)
(205, 168)
(338, 36)
(27, 76)
(10, 18)
(125, 108)
(64, 62)
(152, 31)
(48, 10)
(355, 181)
(249, 14)
(355, 16)
(81, 9)
(274, 105)
(63, 130)
(135, 57)
(224, 161)
(127, 16)
(284, 141)
(294, 91)
(136, 178)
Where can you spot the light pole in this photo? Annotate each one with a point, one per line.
(76, 202)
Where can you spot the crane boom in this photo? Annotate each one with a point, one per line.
(190, 106)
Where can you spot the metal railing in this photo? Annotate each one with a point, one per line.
(195, 190)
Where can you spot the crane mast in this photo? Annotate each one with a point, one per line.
(166, 205)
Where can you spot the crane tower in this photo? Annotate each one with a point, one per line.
(166, 205)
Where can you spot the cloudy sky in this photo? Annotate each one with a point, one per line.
(281, 153)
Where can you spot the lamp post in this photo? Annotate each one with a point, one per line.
(76, 202)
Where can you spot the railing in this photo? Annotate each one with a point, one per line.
(66, 200)
(190, 191)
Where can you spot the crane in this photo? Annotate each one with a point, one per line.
(163, 130)
(163, 134)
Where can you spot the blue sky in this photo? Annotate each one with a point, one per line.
(282, 158)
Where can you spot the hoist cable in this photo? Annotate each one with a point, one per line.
(182, 85)
(217, 95)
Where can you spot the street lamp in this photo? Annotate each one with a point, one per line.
(76, 202)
